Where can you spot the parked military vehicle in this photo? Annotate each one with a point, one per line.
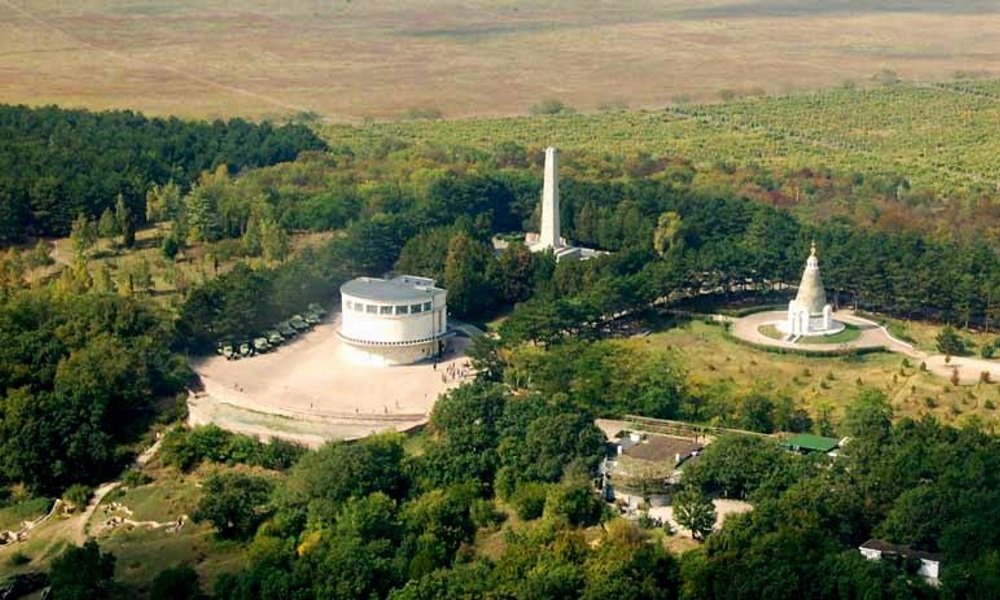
(317, 309)
(261, 345)
(274, 337)
(298, 323)
(245, 349)
(285, 329)
(311, 318)
(229, 351)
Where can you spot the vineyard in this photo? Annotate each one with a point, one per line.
(940, 138)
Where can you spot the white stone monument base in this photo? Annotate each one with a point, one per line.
(815, 327)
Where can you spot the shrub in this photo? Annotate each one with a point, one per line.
(984, 377)
(551, 106)
(77, 495)
(988, 405)
(134, 478)
(949, 342)
(529, 500)
(485, 515)
(170, 247)
(177, 583)
(18, 559)
(575, 502)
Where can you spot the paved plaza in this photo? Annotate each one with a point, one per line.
(304, 391)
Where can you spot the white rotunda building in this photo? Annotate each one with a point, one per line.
(395, 321)
(808, 313)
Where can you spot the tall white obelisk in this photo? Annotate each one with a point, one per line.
(550, 202)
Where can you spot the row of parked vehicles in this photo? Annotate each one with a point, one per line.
(272, 338)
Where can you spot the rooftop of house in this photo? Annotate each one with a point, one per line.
(660, 448)
(905, 551)
(812, 443)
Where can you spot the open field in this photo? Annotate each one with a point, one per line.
(716, 362)
(347, 60)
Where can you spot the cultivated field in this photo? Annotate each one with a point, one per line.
(937, 136)
(347, 60)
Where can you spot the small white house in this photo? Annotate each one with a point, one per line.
(930, 563)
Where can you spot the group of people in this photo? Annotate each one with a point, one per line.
(455, 372)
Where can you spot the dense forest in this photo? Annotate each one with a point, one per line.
(86, 366)
(56, 164)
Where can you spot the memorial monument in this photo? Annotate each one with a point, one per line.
(808, 313)
(550, 237)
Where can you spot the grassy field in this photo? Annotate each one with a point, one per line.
(140, 552)
(348, 60)
(715, 362)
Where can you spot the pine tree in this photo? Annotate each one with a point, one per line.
(107, 225)
(83, 235)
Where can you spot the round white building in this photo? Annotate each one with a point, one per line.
(394, 321)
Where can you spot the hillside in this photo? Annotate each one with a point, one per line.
(347, 60)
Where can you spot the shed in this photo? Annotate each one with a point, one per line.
(806, 442)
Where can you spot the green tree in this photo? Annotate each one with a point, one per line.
(950, 343)
(694, 510)
(668, 228)
(83, 235)
(575, 501)
(83, 573)
(107, 225)
(513, 273)
(123, 220)
(176, 583)
(465, 276)
(163, 202)
(274, 241)
(235, 503)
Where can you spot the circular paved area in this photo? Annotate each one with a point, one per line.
(873, 335)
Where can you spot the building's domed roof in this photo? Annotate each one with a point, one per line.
(811, 294)
(404, 288)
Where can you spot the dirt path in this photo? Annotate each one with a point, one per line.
(79, 524)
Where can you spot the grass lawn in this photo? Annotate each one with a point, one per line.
(718, 366)
(29, 510)
(142, 553)
(923, 335)
(849, 334)
(162, 500)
